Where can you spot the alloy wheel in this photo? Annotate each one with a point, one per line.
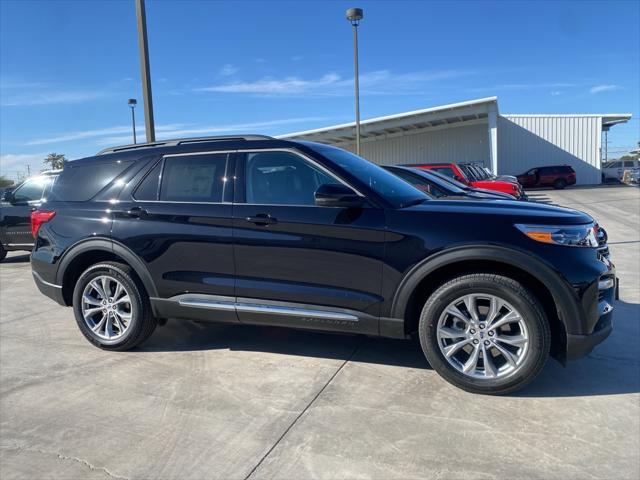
(106, 307)
(482, 336)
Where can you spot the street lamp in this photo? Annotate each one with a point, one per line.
(354, 15)
(132, 103)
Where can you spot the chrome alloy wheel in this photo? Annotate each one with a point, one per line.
(483, 336)
(106, 307)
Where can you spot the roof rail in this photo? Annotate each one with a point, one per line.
(182, 141)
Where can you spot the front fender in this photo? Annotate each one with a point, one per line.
(566, 301)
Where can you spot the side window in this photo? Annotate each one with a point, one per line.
(80, 182)
(193, 178)
(282, 178)
(31, 190)
(148, 188)
(628, 164)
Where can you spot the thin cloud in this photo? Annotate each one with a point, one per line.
(122, 134)
(228, 70)
(525, 86)
(11, 163)
(381, 82)
(52, 98)
(94, 133)
(604, 88)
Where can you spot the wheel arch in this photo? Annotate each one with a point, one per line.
(555, 295)
(86, 253)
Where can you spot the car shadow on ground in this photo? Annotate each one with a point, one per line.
(601, 373)
(19, 258)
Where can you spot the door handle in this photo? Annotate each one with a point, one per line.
(262, 219)
(136, 212)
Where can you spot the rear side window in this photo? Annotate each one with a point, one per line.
(193, 178)
(31, 190)
(79, 183)
(148, 188)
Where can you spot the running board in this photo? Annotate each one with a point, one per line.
(225, 309)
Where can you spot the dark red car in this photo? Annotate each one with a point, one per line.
(454, 171)
(556, 176)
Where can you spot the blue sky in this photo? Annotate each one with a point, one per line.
(67, 68)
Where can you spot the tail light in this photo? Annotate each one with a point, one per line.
(38, 217)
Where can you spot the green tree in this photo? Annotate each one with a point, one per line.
(5, 182)
(54, 161)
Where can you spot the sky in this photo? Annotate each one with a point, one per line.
(67, 68)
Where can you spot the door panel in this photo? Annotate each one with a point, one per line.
(187, 245)
(301, 253)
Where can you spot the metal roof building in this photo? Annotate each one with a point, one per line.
(475, 131)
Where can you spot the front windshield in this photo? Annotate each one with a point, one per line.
(396, 191)
(450, 180)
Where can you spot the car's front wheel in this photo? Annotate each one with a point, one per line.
(485, 333)
(111, 307)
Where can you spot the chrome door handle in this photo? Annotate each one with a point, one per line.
(262, 219)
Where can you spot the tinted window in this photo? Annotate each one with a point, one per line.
(628, 163)
(282, 178)
(81, 182)
(448, 171)
(193, 178)
(396, 191)
(148, 188)
(31, 190)
(420, 183)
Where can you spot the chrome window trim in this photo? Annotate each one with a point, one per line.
(249, 150)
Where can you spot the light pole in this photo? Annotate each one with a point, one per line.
(132, 103)
(143, 46)
(354, 15)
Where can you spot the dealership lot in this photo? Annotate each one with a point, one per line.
(214, 401)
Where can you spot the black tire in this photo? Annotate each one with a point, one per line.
(3, 253)
(507, 289)
(559, 184)
(142, 323)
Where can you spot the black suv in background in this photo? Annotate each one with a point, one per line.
(254, 230)
(16, 206)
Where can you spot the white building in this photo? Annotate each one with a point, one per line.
(475, 131)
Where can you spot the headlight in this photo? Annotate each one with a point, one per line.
(568, 235)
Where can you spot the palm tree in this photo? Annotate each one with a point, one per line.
(55, 161)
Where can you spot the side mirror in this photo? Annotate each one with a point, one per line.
(336, 195)
(7, 196)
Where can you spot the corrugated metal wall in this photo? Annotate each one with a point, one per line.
(456, 144)
(525, 142)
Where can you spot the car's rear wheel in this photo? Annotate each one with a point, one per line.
(3, 253)
(112, 307)
(559, 184)
(485, 333)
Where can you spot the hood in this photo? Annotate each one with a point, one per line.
(518, 212)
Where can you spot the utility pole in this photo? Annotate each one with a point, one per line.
(354, 15)
(146, 72)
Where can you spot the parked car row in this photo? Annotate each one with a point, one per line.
(255, 230)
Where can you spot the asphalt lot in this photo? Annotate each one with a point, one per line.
(209, 401)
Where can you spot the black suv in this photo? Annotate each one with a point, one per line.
(16, 206)
(255, 230)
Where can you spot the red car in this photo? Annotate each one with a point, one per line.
(454, 171)
(556, 176)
